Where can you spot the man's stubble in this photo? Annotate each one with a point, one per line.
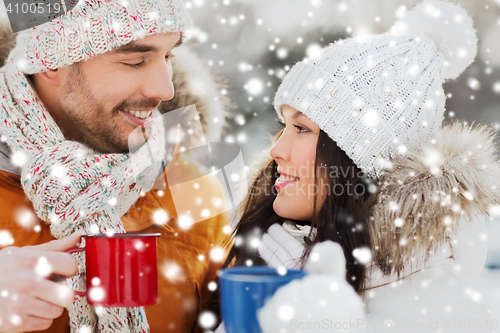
(87, 120)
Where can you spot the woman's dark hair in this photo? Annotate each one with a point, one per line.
(340, 218)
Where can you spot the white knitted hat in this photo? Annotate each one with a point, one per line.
(381, 95)
(94, 27)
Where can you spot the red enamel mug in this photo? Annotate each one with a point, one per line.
(121, 269)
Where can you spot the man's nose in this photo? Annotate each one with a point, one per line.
(159, 84)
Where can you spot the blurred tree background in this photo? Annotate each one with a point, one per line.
(253, 43)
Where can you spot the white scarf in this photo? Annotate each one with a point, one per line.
(73, 188)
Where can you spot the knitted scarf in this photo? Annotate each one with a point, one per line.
(73, 188)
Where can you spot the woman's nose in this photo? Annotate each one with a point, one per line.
(281, 149)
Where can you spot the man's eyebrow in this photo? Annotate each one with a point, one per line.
(136, 47)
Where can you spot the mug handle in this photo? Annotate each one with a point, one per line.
(74, 250)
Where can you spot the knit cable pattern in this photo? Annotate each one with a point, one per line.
(95, 27)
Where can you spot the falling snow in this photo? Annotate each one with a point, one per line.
(6, 238)
(362, 255)
(207, 319)
(43, 268)
(217, 254)
(160, 216)
(273, 42)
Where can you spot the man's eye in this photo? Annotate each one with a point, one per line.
(167, 58)
(135, 65)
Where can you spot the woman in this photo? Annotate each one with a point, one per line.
(275, 196)
(364, 159)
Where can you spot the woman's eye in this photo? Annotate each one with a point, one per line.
(169, 56)
(301, 129)
(282, 124)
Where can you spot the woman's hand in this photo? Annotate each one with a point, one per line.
(280, 249)
(323, 296)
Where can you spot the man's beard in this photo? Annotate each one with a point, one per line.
(95, 126)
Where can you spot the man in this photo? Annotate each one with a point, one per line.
(96, 93)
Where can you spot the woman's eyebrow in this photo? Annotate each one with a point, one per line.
(296, 115)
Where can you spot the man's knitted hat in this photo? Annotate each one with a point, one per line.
(94, 27)
(378, 96)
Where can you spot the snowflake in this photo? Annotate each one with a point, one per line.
(362, 255)
(285, 312)
(139, 245)
(474, 84)
(393, 206)
(240, 119)
(19, 158)
(96, 294)
(227, 229)
(160, 217)
(185, 221)
(399, 222)
(207, 319)
(212, 286)
(15, 319)
(172, 271)
(112, 201)
(85, 329)
(254, 86)
(6, 238)
(25, 217)
(474, 295)
(282, 53)
(255, 242)
(43, 267)
(468, 195)
(217, 254)
(314, 51)
(496, 87)
(242, 137)
(371, 118)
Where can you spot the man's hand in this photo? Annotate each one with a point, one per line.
(28, 300)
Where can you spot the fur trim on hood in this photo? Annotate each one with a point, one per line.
(7, 41)
(424, 195)
(193, 82)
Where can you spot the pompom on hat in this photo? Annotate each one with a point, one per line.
(95, 27)
(381, 95)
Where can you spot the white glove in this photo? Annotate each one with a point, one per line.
(323, 296)
(280, 249)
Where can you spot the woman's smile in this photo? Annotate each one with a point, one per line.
(285, 180)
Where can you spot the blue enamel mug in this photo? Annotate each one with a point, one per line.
(244, 290)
